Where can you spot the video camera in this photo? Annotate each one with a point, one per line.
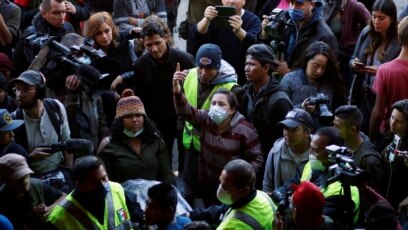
(344, 169)
(74, 57)
(322, 100)
(279, 22)
(77, 147)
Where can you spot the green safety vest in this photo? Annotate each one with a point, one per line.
(69, 214)
(191, 92)
(258, 214)
(334, 189)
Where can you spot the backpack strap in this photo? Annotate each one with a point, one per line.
(54, 112)
(20, 133)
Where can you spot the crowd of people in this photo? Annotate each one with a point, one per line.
(287, 114)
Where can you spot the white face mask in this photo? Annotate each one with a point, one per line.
(315, 163)
(223, 196)
(217, 114)
(132, 134)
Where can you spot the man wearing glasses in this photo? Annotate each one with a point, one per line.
(45, 124)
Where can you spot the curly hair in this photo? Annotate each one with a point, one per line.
(387, 7)
(95, 21)
(332, 73)
(149, 135)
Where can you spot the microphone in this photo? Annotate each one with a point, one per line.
(77, 147)
(88, 74)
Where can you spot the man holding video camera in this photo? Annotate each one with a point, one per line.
(305, 25)
(232, 28)
(51, 22)
(45, 124)
(342, 209)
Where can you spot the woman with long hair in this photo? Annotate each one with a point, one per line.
(119, 53)
(376, 45)
(136, 149)
(317, 73)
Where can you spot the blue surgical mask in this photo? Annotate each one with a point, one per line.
(315, 164)
(217, 114)
(132, 134)
(296, 15)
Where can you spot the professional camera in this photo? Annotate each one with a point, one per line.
(344, 169)
(279, 22)
(281, 200)
(322, 100)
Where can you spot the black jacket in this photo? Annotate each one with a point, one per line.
(265, 111)
(297, 40)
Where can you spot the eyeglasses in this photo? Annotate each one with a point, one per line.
(24, 91)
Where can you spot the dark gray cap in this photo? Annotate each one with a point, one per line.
(31, 77)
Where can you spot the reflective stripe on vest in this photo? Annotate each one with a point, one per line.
(247, 219)
(78, 214)
(88, 223)
(190, 87)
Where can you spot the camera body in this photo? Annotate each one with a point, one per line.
(344, 170)
(321, 100)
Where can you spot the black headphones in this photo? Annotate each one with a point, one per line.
(40, 93)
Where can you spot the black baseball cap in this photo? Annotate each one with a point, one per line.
(261, 52)
(297, 117)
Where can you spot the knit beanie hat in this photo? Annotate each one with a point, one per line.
(129, 104)
(5, 63)
(308, 201)
(209, 55)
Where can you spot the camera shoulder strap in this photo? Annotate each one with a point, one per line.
(54, 112)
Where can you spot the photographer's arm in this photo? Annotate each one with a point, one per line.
(209, 14)
(236, 23)
(5, 35)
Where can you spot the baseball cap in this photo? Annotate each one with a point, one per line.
(14, 166)
(297, 117)
(261, 52)
(209, 55)
(7, 123)
(31, 77)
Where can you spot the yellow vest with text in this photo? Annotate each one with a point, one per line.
(334, 189)
(76, 217)
(191, 92)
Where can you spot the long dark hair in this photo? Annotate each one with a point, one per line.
(149, 135)
(332, 73)
(387, 7)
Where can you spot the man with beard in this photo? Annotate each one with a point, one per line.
(45, 124)
(96, 202)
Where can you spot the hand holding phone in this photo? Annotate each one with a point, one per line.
(359, 64)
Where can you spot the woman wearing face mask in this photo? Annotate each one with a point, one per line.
(224, 135)
(377, 44)
(136, 150)
(317, 73)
